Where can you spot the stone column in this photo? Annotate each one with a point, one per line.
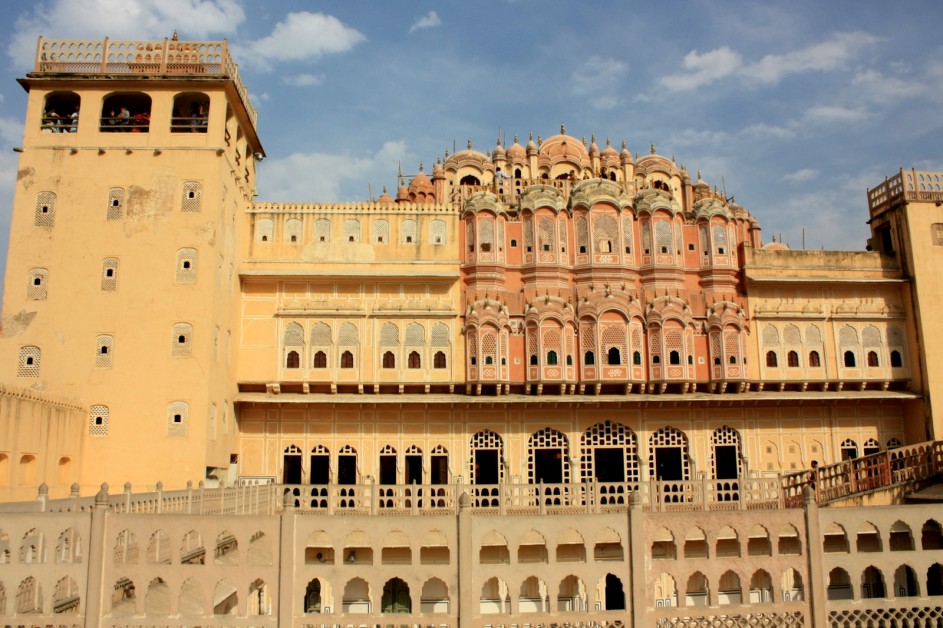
(636, 594)
(466, 610)
(94, 587)
(286, 562)
(818, 585)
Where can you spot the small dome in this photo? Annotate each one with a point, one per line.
(593, 148)
(402, 194)
(385, 198)
(498, 151)
(609, 151)
(421, 183)
(531, 146)
(775, 246)
(701, 183)
(516, 151)
(438, 171)
(625, 154)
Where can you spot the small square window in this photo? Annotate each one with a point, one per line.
(691, 247)
(178, 418)
(513, 243)
(322, 239)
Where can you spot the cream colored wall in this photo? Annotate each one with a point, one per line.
(147, 299)
(40, 442)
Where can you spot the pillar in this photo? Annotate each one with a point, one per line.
(818, 583)
(466, 610)
(636, 595)
(94, 587)
(286, 562)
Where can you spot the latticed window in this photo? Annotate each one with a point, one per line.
(529, 234)
(192, 197)
(532, 344)
(349, 341)
(389, 335)
(322, 230)
(732, 345)
(541, 441)
(414, 360)
(770, 336)
(109, 279)
(352, 230)
(545, 233)
(871, 337)
(605, 234)
(849, 449)
(670, 437)
(98, 420)
(613, 343)
(293, 230)
(489, 347)
(294, 335)
(36, 284)
(178, 415)
(608, 436)
(182, 340)
(472, 340)
(186, 265)
(264, 228)
(104, 347)
(588, 341)
(561, 230)
(582, 235)
(28, 365)
(791, 335)
(722, 438)
(638, 344)
(380, 231)
(485, 441)
(645, 228)
(470, 235)
(486, 234)
(663, 236)
(45, 209)
(848, 342)
(438, 234)
(552, 344)
(895, 342)
(115, 209)
(408, 232)
(440, 335)
(627, 235)
(415, 335)
(654, 345)
(720, 240)
(674, 345)
(321, 345)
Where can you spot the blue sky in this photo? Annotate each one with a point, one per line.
(797, 107)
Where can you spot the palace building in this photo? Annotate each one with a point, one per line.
(544, 383)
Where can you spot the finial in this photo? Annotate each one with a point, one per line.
(531, 135)
(515, 138)
(608, 143)
(499, 140)
(446, 153)
(592, 138)
(420, 166)
(623, 144)
(384, 189)
(539, 140)
(174, 38)
(673, 159)
(583, 140)
(469, 144)
(653, 148)
(698, 175)
(562, 129)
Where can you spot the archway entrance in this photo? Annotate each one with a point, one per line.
(291, 465)
(615, 596)
(320, 466)
(487, 449)
(396, 597)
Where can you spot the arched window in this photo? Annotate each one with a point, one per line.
(873, 358)
(438, 360)
(637, 358)
(772, 360)
(614, 357)
(126, 112)
(814, 359)
(674, 358)
(190, 114)
(896, 361)
(320, 360)
(849, 358)
(36, 284)
(589, 358)
(347, 360)
(413, 361)
(389, 360)
(61, 113)
(792, 359)
(551, 358)
(292, 360)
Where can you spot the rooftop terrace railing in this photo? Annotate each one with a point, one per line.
(167, 57)
(906, 185)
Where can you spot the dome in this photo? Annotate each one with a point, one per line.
(516, 151)
(775, 246)
(385, 198)
(498, 152)
(420, 184)
(609, 151)
(564, 146)
(625, 154)
(468, 157)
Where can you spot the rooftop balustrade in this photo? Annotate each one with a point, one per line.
(907, 185)
(117, 58)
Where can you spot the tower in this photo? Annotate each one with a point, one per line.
(138, 160)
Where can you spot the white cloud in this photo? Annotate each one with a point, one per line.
(704, 68)
(305, 35)
(763, 130)
(121, 19)
(885, 89)
(325, 177)
(429, 20)
(303, 80)
(805, 174)
(600, 79)
(834, 113)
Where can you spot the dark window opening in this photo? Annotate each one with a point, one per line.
(178, 418)
(126, 112)
(733, 359)
(438, 360)
(772, 360)
(637, 358)
(350, 238)
(347, 360)
(293, 360)
(849, 358)
(469, 180)
(37, 281)
(414, 361)
(569, 360)
(589, 358)
(582, 248)
(513, 243)
(896, 360)
(389, 360)
(873, 358)
(674, 357)
(61, 113)
(656, 359)
(110, 272)
(814, 359)
(552, 358)
(614, 356)
(792, 359)
(533, 360)
(474, 360)
(486, 247)
(347, 469)
(186, 265)
(104, 350)
(181, 340)
(190, 114)
(409, 240)
(489, 360)
(320, 360)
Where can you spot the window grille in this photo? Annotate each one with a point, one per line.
(28, 365)
(613, 337)
(791, 335)
(415, 335)
(98, 420)
(293, 230)
(322, 230)
(627, 235)
(389, 335)
(670, 437)
(440, 335)
(720, 240)
(438, 232)
(529, 234)
(488, 440)
(547, 438)
(645, 228)
(109, 279)
(103, 350)
(871, 337)
(36, 284)
(607, 435)
(408, 232)
(489, 347)
(192, 194)
(178, 415)
(182, 337)
(605, 234)
(45, 209)
(545, 234)
(770, 336)
(380, 231)
(264, 228)
(352, 230)
(582, 235)
(294, 335)
(663, 236)
(115, 209)
(186, 265)
(485, 233)
(470, 235)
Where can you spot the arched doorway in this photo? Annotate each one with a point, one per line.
(726, 459)
(320, 465)
(291, 465)
(608, 456)
(615, 595)
(487, 468)
(396, 597)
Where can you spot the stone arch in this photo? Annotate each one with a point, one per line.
(495, 597)
(157, 598)
(227, 550)
(190, 600)
(534, 596)
(697, 590)
(66, 597)
(356, 598)
(226, 598)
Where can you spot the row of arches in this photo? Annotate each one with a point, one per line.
(872, 584)
(725, 542)
(190, 599)
(869, 538)
(608, 452)
(25, 471)
(30, 599)
(727, 589)
(125, 112)
(191, 550)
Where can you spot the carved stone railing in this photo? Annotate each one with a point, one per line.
(133, 57)
(907, 185)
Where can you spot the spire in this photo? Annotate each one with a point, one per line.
(562, 129)
(653, 148)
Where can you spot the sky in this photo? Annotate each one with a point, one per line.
(795, 109)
